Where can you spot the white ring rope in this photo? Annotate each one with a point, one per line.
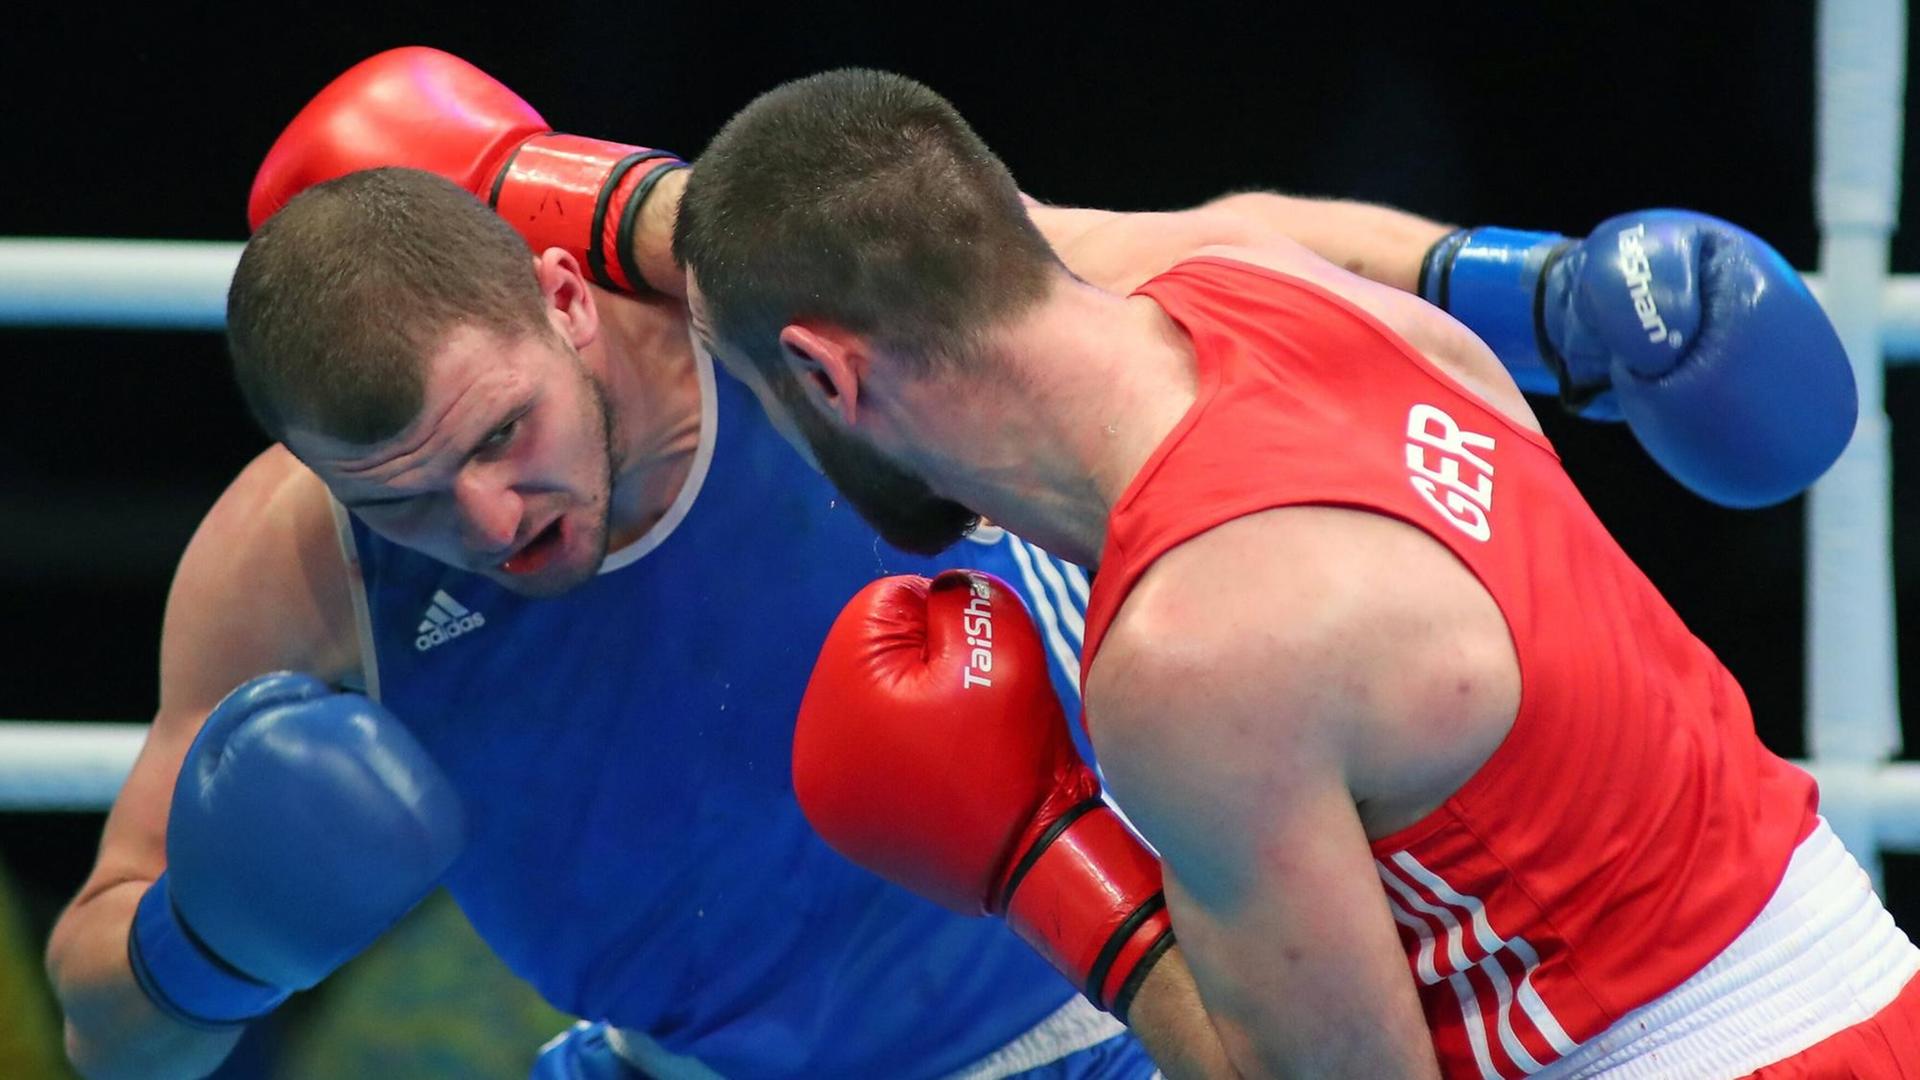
(182, 285)
(50, 765)
(143, 284)
(55, 765)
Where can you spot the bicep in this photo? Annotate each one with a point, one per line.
(1229, 751)
(262, 586)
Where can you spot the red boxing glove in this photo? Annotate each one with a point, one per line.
(431, 110)
(930, 750)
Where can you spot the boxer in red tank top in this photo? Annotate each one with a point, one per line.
(1440, 783)
(1629, 826)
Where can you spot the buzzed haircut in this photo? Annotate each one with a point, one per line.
(861, 198)
(341, 297)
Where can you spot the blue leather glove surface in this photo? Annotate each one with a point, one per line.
(1691, 329)
(304, 824)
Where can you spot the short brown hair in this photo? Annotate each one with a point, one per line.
(863, 198)
(340, 297)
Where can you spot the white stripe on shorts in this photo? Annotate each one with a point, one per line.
(1069, 1029)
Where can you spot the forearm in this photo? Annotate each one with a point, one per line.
(1171, 1022)
(1376, 242)
(112, 1028)
(653, 236)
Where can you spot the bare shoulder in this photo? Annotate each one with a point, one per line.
(1311, 640)
(1064, 226)
(1119, 252)
(263, 585)
(1271, 608)
(1407, 315)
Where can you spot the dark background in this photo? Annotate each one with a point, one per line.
(148, 122)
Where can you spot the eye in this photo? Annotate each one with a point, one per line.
(500, 436)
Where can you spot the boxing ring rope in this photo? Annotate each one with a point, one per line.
(182, 285)
(128, 284)
(59, 765)
(1852, 719)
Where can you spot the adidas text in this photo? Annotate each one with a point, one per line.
(445, 619)
(440, 635)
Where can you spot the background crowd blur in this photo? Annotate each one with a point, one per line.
(148, 121)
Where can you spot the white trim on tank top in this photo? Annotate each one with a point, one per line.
(357, 588)
(696, 476)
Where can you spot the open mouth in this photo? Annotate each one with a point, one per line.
(539, 551)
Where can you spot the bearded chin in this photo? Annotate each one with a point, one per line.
(928, 526)
(899, 505)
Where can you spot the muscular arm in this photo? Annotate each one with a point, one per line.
(1255, 697)
(1119, 251)
(262, 586)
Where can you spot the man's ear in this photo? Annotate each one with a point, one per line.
(829, 361)
(571, 306)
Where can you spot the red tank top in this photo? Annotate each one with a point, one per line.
(1631, 824)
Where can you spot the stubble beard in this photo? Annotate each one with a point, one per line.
(898, 503)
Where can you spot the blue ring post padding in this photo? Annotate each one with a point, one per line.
(1491, 281)
(182, 978)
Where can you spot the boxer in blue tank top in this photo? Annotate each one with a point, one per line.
(586, 583)
(635, 850)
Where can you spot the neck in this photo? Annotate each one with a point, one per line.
(1083, 389)
(653, 390)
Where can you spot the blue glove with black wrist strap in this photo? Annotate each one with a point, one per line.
(1692, 330)
(304, 823)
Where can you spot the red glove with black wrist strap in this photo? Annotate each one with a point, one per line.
(431, 110)
(930, 749)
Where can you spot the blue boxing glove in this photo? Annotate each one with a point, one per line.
(1692, 330)
(304, 823)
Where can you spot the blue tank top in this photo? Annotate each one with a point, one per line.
(624, 750)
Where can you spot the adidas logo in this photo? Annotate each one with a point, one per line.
(446, 619)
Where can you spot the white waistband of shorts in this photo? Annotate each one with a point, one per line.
(1822, 956)
(639, 1050)
(1069, 1029)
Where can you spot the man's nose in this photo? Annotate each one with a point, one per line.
(490, 512)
